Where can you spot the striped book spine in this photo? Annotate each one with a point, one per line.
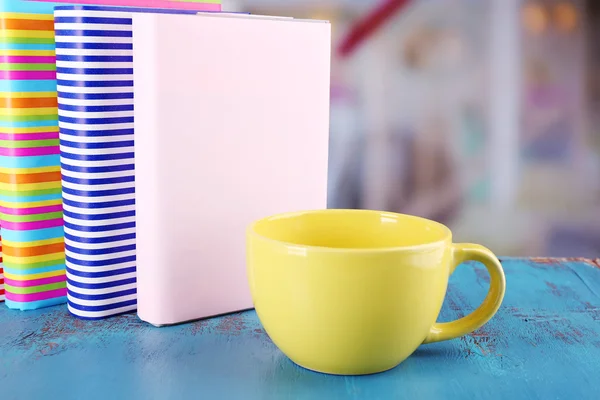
(30, 184)
(1, 274)
(94, 59)
(95, 102)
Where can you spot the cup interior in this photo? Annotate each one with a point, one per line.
(351, 229)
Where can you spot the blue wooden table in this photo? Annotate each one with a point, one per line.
(544, 343)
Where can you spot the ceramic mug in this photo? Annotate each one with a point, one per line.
(352, 292)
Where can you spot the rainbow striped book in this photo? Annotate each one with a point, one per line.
(1, 274)
(31, 211)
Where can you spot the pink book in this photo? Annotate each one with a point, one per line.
(231, 122)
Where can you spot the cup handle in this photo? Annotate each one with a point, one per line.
(491, 303)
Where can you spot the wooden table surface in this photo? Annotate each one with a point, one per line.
(544, 343)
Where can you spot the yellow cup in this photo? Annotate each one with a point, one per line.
(352, 292)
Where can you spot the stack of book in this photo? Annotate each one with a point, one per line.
(30, 163)
(138, 144)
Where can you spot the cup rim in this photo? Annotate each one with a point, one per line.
(446, 239)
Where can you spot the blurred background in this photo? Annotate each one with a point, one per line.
(481, 114)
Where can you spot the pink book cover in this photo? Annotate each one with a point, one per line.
(231, 122)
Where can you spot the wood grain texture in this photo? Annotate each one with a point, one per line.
(544, 343)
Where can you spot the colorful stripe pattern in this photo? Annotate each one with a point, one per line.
(94, 61)
(1, 274)
(30, 184)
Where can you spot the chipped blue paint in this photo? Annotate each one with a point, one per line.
(543, 343)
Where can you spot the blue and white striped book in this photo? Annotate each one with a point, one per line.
(94, 66)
